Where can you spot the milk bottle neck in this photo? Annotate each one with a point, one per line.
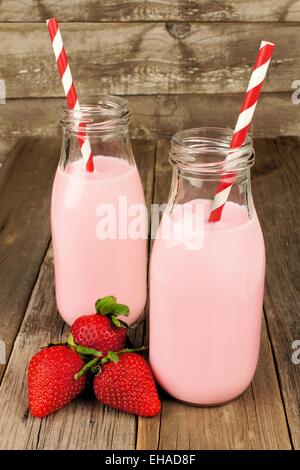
(201, 159)
(103, 125)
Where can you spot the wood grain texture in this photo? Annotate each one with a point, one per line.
(256, 420)
(6, 146)
(142, 10)
(160, 116)
(276, 191)
(146, 58)
(25, 228)
(85, 424)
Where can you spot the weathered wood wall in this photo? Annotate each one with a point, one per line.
(181, 63)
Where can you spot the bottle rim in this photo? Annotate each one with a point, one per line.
(103, 115)
(207, 150)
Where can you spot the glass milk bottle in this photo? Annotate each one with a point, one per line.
(207, 278)
(98, 219)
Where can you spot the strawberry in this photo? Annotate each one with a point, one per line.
(51, 381)
(102, 331)
(125, 382)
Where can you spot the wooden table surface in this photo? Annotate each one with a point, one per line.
(266, 416)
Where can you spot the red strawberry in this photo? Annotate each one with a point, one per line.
(51, 382)
(126, 383)
(102, 331)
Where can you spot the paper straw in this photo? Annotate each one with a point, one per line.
(243, 123)
(69, 88)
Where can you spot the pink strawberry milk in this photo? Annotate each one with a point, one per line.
(95, 254)
(207, 279)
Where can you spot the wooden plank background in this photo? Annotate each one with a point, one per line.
(159, 10)
(25, 229)
(266, 416)
(180, 63)
(146, 58)
(280, 168)
(159, 116)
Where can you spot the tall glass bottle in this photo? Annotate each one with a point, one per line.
(99, 245)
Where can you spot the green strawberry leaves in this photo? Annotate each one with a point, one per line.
(108, 306)
(95, 359)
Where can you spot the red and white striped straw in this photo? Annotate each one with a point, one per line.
(243, 123)
(69, 88)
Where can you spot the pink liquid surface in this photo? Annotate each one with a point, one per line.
(206, 308)
(86, 267)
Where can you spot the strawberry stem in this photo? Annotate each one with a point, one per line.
(116, 322)
(141, 348)
(83, 349)
(111, 356)
(86, 368)
(114, 356)
(88, 351)
(94, 365)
